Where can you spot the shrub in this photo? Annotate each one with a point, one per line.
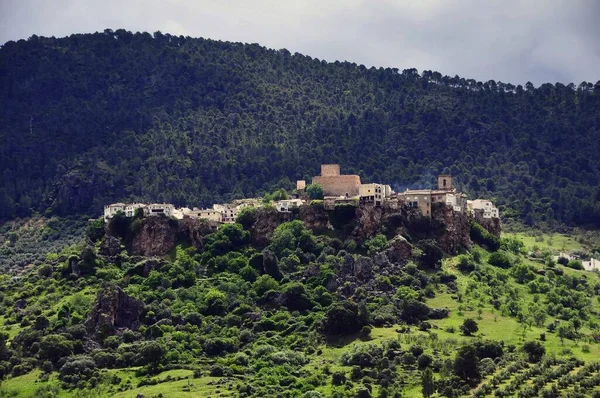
(575, 264)
(264, 283)
(104, 359)
(45, 271)
(215, 302)
(216, 370)
(314, 191)
(424, 361)
(500, 259)
(535, 350)
(365, 332)
(54, 347)
(469, 327)
(216, 346)
(296, 297)
(483, 237)
(465, 263)
(341, 319)
(338, 378)
(247, 217)
(376, 244)
(76, 369)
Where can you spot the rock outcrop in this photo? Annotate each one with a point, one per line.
(399, 250)
(158, 235)
(492, 225)
(113, 310)
(455, 234)
(315, 217)
(110, 246)
(267, 219)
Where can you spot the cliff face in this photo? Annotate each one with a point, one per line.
(492, 225)
(267, 219)
(315, 217)
(455, 235)
(157, 236)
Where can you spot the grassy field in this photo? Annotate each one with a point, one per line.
(30, 385)
(554, 242)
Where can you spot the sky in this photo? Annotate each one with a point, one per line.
(513, 41)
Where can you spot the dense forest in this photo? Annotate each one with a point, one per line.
(94, 118)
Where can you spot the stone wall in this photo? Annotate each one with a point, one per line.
(339, 185)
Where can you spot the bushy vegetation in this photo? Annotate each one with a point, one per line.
(302, 315)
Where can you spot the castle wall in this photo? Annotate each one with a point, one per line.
(339, 185)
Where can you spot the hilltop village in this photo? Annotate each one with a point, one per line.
(336, 189)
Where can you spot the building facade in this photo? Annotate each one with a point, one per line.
(157, 209)
(287, 205)
(111, 210)
(374, 193)
(484, 206)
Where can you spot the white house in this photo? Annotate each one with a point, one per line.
(488, 208)
(132, 207)
(591, 265)
(456, 200)
(111, 210)
(285, 206)
(210, 215)
(156, 209)
(228, 212)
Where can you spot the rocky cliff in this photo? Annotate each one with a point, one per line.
(492, 225)
(455, 234)
(157, 236)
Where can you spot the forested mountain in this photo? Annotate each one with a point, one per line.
(94, 118)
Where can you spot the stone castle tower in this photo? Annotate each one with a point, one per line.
(445, 182)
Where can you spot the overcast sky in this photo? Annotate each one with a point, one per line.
(506, 40)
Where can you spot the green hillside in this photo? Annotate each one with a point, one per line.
(95, 118)
(306, 314)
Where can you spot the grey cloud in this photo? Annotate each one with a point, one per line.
(510, 40)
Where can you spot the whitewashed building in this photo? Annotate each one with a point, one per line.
(132, 207)
(228, 212)
(488, 208)
(286, 205)
(111, 210)
(156, 209)
(210, 215)
(591, 265)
